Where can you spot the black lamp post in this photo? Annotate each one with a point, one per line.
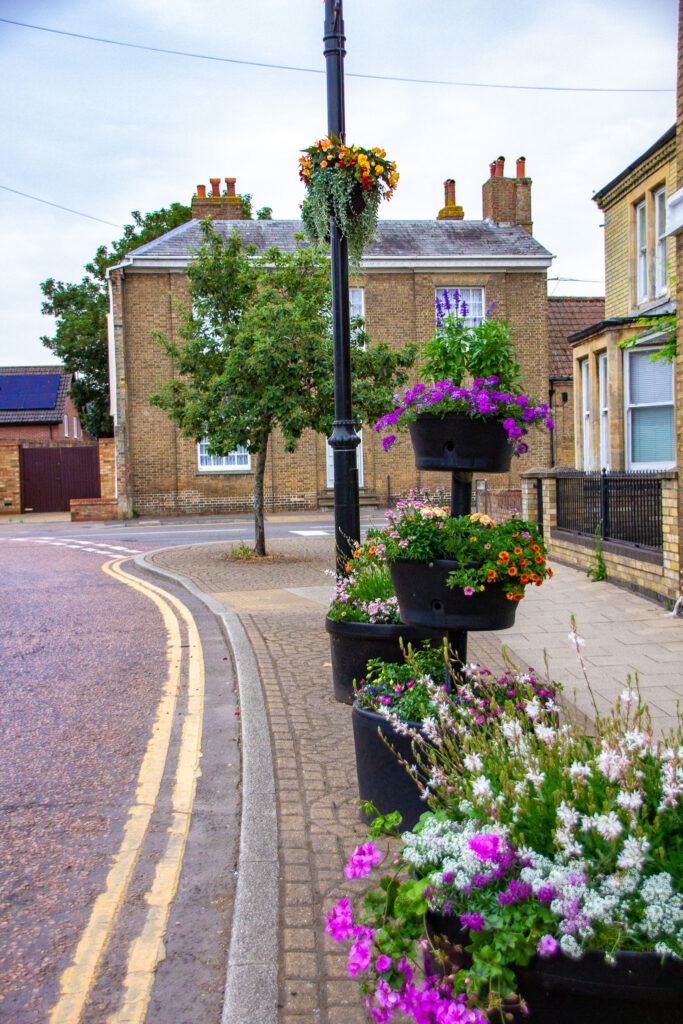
(344, 439)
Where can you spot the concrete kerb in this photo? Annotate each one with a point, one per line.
(251, 986)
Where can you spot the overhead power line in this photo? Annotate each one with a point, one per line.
(321, 71)
(57, 206)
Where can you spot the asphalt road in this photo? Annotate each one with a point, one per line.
(119, 786)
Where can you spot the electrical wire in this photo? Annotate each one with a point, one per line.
(57, 206)
(321, 71)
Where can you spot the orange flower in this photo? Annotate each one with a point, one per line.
(491, 575)
(524, 579)
(539, 560)
(550, 571)
(512, 571)
(503, 556)
(523, 562)
(372, 550)
(348, 566)
(535, 547)
(518, 551)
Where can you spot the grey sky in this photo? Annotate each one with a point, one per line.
(105, 129)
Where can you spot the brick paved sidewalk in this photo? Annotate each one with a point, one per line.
(281, 604)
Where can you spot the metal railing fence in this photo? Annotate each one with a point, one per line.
(625, 507)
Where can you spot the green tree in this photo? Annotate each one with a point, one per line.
(80, 310)
(256, 355)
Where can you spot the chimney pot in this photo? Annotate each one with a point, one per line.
(201, 191)
(230, 186)
(500, 166)
(215, 186)
(521, 167)
(492, 168)
(449, 192)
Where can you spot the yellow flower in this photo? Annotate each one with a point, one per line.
(379, 169)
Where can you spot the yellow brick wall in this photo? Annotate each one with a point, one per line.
(10, 477)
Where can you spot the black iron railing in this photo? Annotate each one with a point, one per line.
(624, 507)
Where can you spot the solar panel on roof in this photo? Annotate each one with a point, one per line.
(28, 390)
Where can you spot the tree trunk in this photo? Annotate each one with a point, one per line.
(259, 526)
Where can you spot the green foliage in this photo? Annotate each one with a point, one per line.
(80, 310)
(597, 569)
(485, 350)
(401, 687)
(257, 353)
(664, 325)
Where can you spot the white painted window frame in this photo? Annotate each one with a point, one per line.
(629, 407)
(604, 410)
(642, 290)
(223, 463)
(466, 292)
(659, 206)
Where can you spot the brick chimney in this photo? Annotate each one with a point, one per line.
(227, 206)
(508, 200)
(449, 210)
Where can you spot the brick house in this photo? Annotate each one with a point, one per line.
(628, 430)
(492, 259)
(567, 315)
(45, 456)
(35, 405)
(624, 411)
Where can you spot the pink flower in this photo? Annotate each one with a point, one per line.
(340, 921)
(363, 860)
(468, 591)
(547, 946)
(484, 845)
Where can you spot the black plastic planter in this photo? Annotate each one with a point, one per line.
(382, 779)
(638, 989)
(353, 644)
(456, 442)
(426, 600)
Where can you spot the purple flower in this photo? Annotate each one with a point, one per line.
(473, 922)
(388, 441)
(363, 860)
(547, 946)
(546, 894)
(359, 954)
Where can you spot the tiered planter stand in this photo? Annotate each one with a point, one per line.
(461, 446)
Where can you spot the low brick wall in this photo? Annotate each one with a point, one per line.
(87, 510)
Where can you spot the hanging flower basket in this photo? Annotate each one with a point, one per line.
(347, 183)
(458, 442)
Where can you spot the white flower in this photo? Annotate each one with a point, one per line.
(633, 853)
(473, 763)
(568, 816)
(630, 801)
(481, 788)
(606, 825)
(580, 772)
(570, 947)
(577, 640)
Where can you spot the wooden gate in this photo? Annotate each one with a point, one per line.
(50, 477)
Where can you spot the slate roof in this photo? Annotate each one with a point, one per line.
(43, 415)
(566, 316)
(403, 240)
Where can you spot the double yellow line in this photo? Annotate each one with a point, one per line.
(148, 948)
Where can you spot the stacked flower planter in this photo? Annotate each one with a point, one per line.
(459, 445)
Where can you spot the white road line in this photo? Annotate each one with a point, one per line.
(312, 533)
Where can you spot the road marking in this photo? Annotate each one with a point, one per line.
(146, 951)
(312, 533)
(77, 980)
(106, 549)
